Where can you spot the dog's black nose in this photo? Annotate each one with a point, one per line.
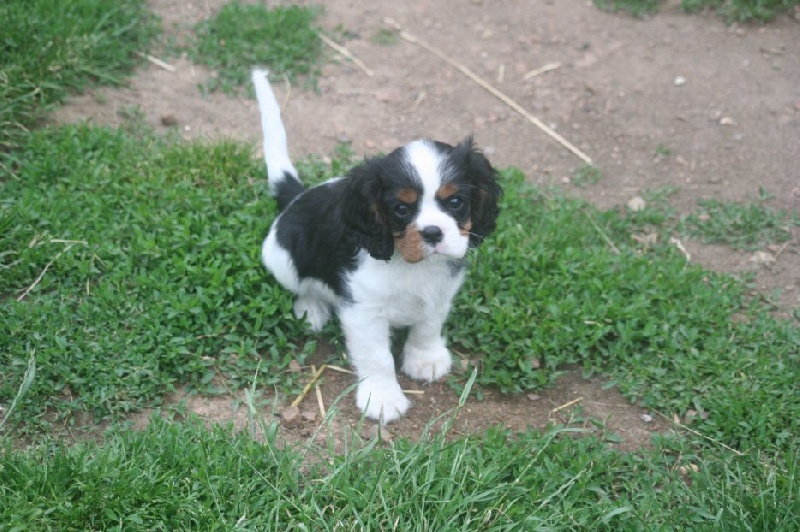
(432, 234)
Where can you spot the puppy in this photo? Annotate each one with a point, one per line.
(384, 247)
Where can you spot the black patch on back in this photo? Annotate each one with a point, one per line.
(311, 230)
(287, 190)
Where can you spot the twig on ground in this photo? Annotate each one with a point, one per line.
(346, 53)
(156, 61)
(566, 405)
(614, 248)
(44, 271)
(286, 96)
(340, 369)
(674, 421)
(318, 393)
(494, 91)
(783, 247)
(317, 374)
(62, 241)
(320, 403)
(678, 244)
(546, 68)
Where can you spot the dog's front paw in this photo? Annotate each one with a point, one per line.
(381, 399)
(426, 364)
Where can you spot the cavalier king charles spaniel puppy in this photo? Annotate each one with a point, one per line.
(384, 247)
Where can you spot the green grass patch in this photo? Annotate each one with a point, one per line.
(137, 265)
(385, 37)
(634, 8)
(149, 260)
(742, 10)
(51, 47)
(177, 476)
(242, 36)
(548, 289)
(586, 175)
(731, 10)
(740, 225)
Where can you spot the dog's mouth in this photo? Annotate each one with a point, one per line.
(425, 251)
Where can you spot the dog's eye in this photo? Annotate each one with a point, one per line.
(401, 210)
(455, 203)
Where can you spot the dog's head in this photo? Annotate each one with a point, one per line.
(423, 200)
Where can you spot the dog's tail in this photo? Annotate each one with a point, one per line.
(284, 184)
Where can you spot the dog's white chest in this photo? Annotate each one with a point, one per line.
(404, 293)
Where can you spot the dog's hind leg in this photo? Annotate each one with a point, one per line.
(315, 301)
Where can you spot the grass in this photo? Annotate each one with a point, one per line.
(151, 280)
(179, 475)
(154, 282)
(241, 36)
(742, 10)
(634, 8)
(51, 47)
(731, 10)
(586, 174)
(129, 267)
(385, 37)
(740, 225)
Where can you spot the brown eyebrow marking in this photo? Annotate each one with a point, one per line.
(407, 195)
(446, 190)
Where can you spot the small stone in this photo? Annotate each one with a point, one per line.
(290, 415)
(647, 239)
(533, 397)
(762, 257)
(679, 81)
(636, 204)
(387, 95)
(309, 415)
(375, 431)
(463, 365)
(726, 121)
(647, 418)
(169, 120)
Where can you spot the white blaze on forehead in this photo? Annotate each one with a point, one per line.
(427, 163)
(430, 166)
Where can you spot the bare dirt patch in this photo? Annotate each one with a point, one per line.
(679, 102)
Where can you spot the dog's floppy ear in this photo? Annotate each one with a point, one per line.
(486, 191)
(363, 212)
